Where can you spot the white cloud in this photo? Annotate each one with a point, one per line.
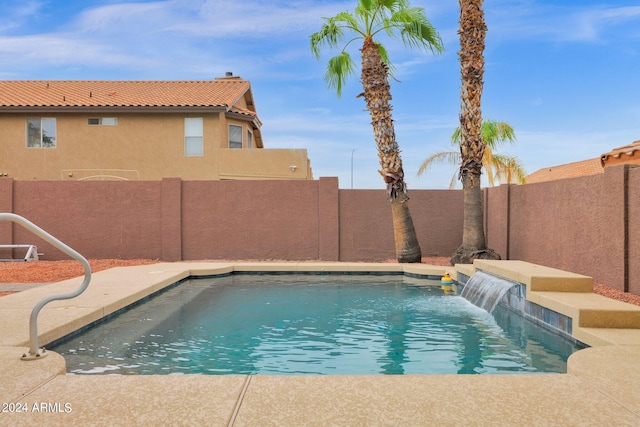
(599, 21)
(222, 18)
(209, 18)
(152, 37)
(518, 20)
(123, 18)
(15, 14)
(59, 49)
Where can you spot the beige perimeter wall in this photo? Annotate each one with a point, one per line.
(588, 225)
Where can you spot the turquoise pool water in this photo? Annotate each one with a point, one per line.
(312, 324)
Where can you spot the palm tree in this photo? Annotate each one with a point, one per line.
(473, 30)
(370, 19)
(499, 167)
(507, 167)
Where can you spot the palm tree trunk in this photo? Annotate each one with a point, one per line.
(472, 35)
(407, 247)
(473, 237)
(377, 95)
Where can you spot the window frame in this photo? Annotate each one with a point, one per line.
(193, 135)
(100, 121)
(241, 142)
(41, 128)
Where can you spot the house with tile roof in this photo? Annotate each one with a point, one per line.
(567, 170)
(628, 154)
(138, 130)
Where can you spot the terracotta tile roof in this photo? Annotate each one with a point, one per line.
(223, 93)
(569, 170)
(627, 150)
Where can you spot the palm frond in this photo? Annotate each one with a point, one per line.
(498, 167)
(450, 157)
(415, 30)
(488, 160)
(370, 17)
(371, 13)
(455, 137)
(509, 168)
(329, 35)
(454, 180)
(495, 133)
(385, 58)
(364, 11)
(393, 5)
(338, 69)
(332, 32)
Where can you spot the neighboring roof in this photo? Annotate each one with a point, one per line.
(82, 94)
(627, 150)
(569, 170)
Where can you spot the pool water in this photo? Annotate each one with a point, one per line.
(313, 324)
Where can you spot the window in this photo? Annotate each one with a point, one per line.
(41, 133)
(104, 121)
(193, 136)
(249, 139)
(235, 136)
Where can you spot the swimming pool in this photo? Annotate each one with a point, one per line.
(312, 324)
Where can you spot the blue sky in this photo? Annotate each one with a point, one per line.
(564, 74)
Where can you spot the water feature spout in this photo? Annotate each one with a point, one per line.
(485, 290)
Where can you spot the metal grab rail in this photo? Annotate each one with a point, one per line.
(34, 351)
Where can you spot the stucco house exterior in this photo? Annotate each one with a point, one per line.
(138, 130)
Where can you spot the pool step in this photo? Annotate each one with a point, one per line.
(536, 277)
(597, 320)
(607, 336)
(590, 310)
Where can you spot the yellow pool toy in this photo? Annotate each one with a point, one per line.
(446, 283)
(446, 279)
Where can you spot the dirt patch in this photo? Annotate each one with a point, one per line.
(55, 271)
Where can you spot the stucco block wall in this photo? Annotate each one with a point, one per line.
(366, 230)
(437, 217)
(6, 205)
(496, 202)
(588, 225)
(545, 216)
(633, 230)
(250, 220)
(173, 219)
(100, 219)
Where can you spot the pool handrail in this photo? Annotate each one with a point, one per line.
(34, 351)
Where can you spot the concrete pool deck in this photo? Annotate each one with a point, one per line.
(600, 387)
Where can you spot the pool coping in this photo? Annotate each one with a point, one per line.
(591, 393)
(597, 320)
